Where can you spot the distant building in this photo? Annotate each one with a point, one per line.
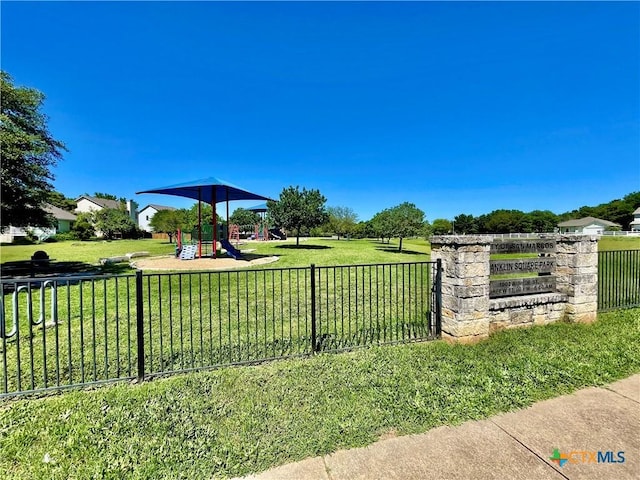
(93, 204)
(587, 226)
(635, 224)
(87, 203)
(64, 221)
(146, 214)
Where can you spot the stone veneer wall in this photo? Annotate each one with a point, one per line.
(468, 314)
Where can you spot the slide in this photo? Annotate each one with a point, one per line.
(231, 251)
(277, 234)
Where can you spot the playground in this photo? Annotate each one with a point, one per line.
(198, 249)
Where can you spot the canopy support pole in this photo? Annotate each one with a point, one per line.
(199, 222)
(215, 223)
(227, 191)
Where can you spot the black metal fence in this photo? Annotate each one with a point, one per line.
(618, 279)
(71, 331)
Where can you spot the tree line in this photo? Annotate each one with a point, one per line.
(619, 211)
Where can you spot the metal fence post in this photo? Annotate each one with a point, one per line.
(314, 344)
(140, 324)
(438, 297)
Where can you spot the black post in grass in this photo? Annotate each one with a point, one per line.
(438, 298)
(314, 343)
(140, 325)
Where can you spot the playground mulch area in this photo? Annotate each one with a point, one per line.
(223, 263)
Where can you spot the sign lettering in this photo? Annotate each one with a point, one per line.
(521, 286)
(523, 265)
(523, 246)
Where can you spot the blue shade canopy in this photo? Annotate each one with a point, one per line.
(258, 208)
(209, 190)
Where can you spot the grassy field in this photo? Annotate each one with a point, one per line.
(315, 250)
(340, 252)
(235, 421)
(618, 243)
(87, 252)
(318, 251)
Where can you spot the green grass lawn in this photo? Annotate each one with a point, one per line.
(312, 250)
(87, 252)
(618, 243)
(234, 421)
(323, 251)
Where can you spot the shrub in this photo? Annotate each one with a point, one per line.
(82, 228)
(61, 237)
(22, 241)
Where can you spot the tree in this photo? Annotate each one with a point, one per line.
(297, 209)
(507, 221)
(105, 196)
(406, 221)
(542, 221)
(465, 224)
(244, 217)
(427, 230)
(342, 220)
(381, 225)
(59, 200)
(114, 221)
(362, 230)
(28, 153)
(441, 226)
(206, 213)
(169, 222)
(82, 228)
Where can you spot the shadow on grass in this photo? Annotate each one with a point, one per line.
(395, 250)
(249, 256)
(25, 269)
(304, 247)
(115, 268)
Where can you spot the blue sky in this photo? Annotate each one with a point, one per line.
(456, 107)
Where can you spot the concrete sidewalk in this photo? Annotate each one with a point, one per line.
(514, 445)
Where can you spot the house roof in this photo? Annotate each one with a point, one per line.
(58, 213)
(636, 211)
(102, 202)
(157, 207)
(583, 222)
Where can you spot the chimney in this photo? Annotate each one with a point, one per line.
(132, 209)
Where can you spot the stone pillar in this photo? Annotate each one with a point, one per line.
(465, 285)
(577, 275)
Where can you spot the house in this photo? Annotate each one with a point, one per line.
(587, 226)
(87, 203)
(64, 220)
(146, 214)
(634, 226)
